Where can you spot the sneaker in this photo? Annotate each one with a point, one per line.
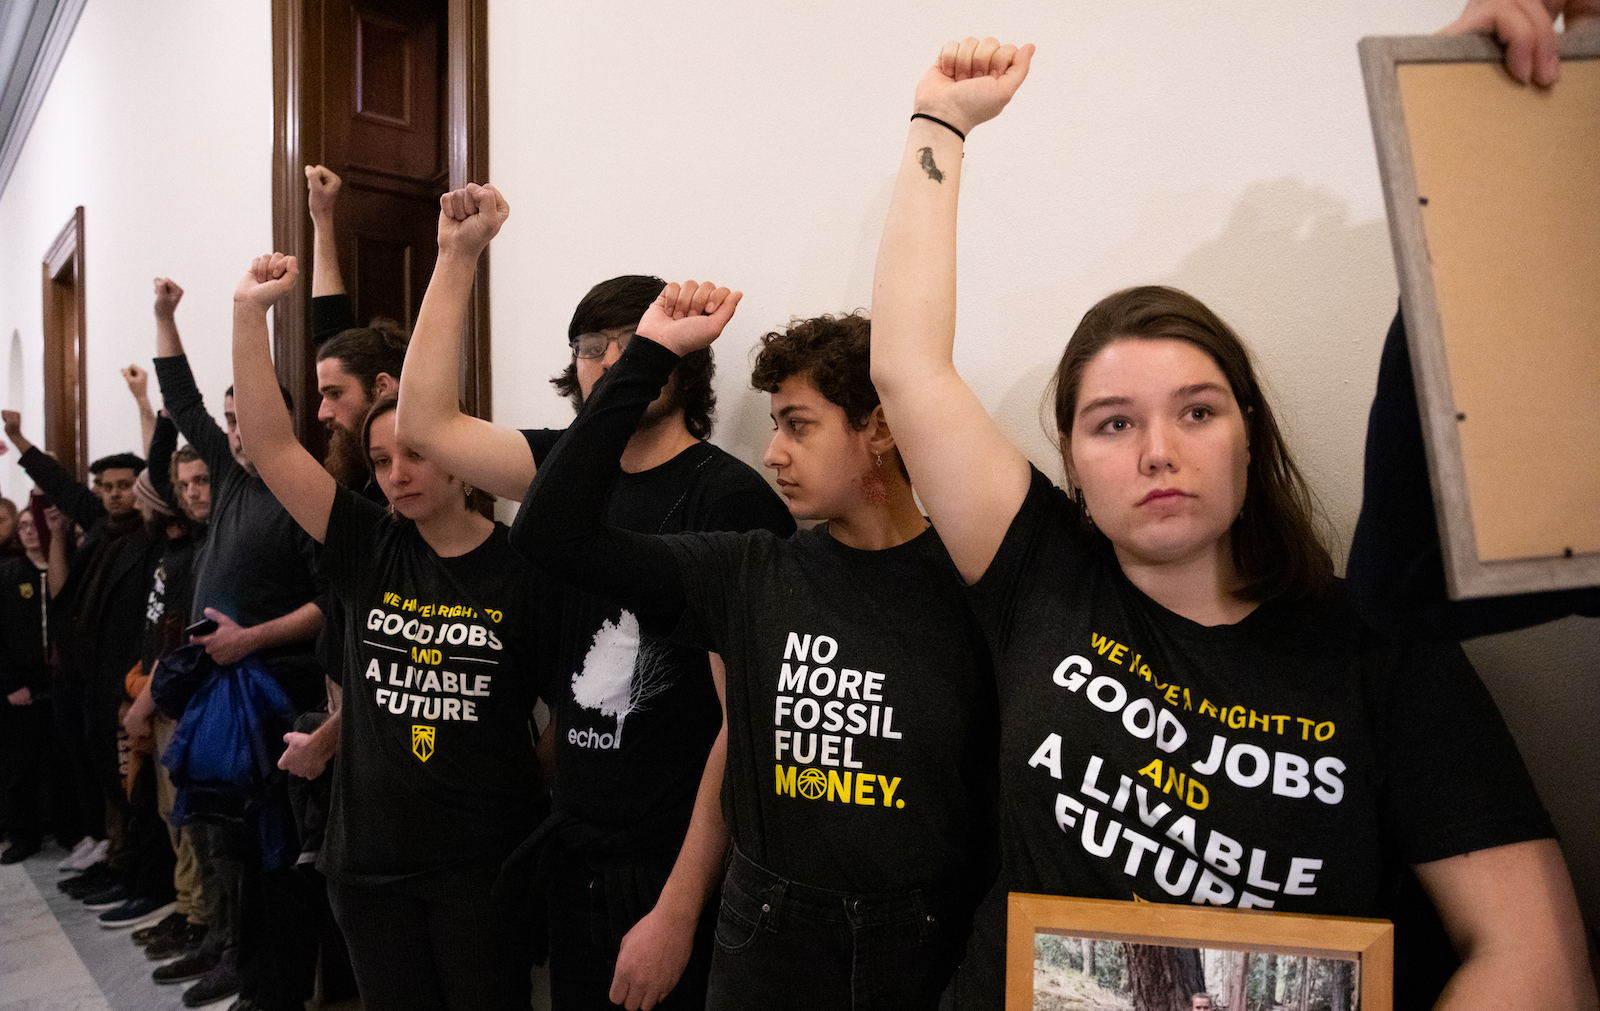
(74, 860)
(188, 967)
(115, 895)
(96, 879)
(97, 855)
(186, 940)
(19, 851)
(136, 912)
(168, 926)
(217, 985)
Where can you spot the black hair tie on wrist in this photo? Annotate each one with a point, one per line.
(936, 119)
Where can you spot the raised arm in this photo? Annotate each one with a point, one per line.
(970, 478)
(322, 193)
(158, 458)
(430, 419)
(558, 528)
(138, 381)
(295, 477)
(78, 503)
(179, 394)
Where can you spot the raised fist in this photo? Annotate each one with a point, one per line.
(138, 381)
(168, 295)
(267, 279)
(469, 218)
(13, 424)
(322, 190)
(688, 317)
(972, 80)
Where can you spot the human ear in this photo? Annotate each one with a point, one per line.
(880, 439)
(384, 385)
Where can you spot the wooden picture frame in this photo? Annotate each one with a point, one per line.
(1367, 943)
(1493, 197)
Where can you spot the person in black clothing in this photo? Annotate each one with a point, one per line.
(102, 612)
(1191, 708)
(857, 681)
(436, 769)
(1396, 567)
(622, 871)
(254, 575)
(26, 726)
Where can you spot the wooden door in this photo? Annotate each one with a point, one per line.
(392, 96)
(66, 412)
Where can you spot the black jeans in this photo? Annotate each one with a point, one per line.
(452, 949)
(781, 944)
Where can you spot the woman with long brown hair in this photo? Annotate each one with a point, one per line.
(1191, 709)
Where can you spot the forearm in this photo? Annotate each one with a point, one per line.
(325, 276)
(60, 566)
(479, 452)
(703, 859)
(72, 498)
(559, 527)
(914, 283)
(324, 741)
(188, 409)
(299, 625)
(168, 343)
(158, 457)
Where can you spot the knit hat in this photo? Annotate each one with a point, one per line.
(145, 494)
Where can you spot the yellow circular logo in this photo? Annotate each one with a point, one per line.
(811, 783)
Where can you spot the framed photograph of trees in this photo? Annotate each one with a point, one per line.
(1067, 954)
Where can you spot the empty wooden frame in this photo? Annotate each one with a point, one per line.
(1493, 194)
(1367, 943)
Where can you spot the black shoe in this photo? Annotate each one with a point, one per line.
(96, 879)
(186, 940)
(219, 983)
(244, 1004)
(169, 926)
(136, 912)
(115, 895)
(19, 850)
(191, 966)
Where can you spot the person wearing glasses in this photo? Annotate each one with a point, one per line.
(635, 846)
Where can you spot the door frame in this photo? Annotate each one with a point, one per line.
(66, 403)
(297, 141)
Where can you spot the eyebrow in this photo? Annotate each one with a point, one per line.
(1181, 393)
(792, 408)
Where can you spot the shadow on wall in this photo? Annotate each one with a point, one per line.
(1312, 294)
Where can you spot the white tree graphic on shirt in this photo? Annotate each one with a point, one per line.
(620, 674)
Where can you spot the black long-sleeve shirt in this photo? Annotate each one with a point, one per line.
(1396, 567)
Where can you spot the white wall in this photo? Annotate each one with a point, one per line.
(159, 122)
(1221, 148)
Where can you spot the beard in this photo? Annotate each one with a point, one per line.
(345, 460)
(670, 402)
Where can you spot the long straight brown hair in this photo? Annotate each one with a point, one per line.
(1277, 549)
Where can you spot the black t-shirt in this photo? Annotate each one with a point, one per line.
(636, 714)
(1296, 760)
(24, 628)
(255, 563)
(436, 768)
(166, 613)
(860, 707)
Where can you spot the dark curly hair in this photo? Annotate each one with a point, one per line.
(365, 352)
(833, 352)
(620, 302)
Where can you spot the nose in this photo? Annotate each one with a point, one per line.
(774, 457)
(1158, 451)
(325, 410)
(613, 352)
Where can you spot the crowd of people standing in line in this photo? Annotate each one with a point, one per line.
(782, 767)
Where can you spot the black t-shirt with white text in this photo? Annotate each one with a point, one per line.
(1295, 761)
(636, 714)
(861, 707)
(436, 766)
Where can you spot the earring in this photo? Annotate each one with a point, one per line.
(880, 458)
